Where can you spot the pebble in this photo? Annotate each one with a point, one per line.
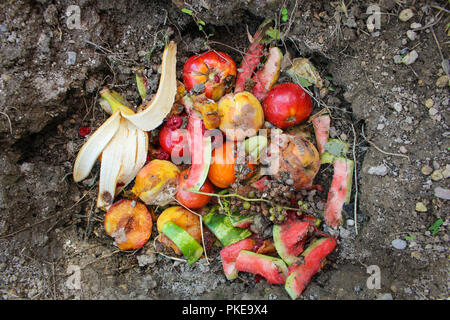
(442, 81)
(442, 193)
(144, 260)
(405, 15)
(415, 25)
(403, 149)
(350, 222)
(416, 255)
(399, 244)
(412, 35)
(426, 170)
(429, 103)
(420, 207)
(380, 126)
(432, 111)
(446, 171)
(71, 58)
(380, 170)
(410, 58)
(397, 106)
(398, 58)
(437, 175)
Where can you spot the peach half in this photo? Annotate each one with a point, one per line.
(157, 182)
(129, 223)
(241, 115)
(183, 218)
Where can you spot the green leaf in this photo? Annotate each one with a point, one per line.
(273, 33)
(187, 11)
(202, 22)
(330, 88)
(410, 237)
(435, 227)
(284, 11)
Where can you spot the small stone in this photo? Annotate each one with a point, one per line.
(71, 58)
(432, 111)
(380, 126)
(404, 42)
(397, 106)
(412, 35)
(398, 58)
(350, 222)
(446, 171)
(405, 15)
(420, 207)
(416, 255)
(380, 170)
(436, 165)
(403, 149)
(410, 58)
(385, 296)
(442, 81)
(426, 170)
(442, 193)
(429, 103)
(144, 260)
(399, 244)
(437, 175)
(415, 25)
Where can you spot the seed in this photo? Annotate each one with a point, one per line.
(246, 205)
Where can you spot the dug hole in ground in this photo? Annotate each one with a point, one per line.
(384, 80)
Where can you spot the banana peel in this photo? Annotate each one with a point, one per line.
(122, 140)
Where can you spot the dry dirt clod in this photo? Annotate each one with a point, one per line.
(420, 207)
(442, 81)
(405, 15)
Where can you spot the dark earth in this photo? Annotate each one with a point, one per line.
(397, 113)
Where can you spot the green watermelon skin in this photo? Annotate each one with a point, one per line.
(289, 239)
(274, 270)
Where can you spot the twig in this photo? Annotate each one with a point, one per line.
(201, 226)
(355, 205)
(382, 151)
(9, 121)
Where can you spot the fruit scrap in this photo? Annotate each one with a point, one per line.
(129, 223)
(290, 237)
(141, 83)
(223, 229)
(321, 126)
(286, 105)
(297, 160)
(314, 257)
(157, 182)
(192, 200)
(266, 78)
(190, 248)
(229, 255)
(121, 140)
(212, 73)
(241, 115)
(208, 109)
(254, 146)
(252, 57)
(274, 270)
(184, 219)
(340, 191)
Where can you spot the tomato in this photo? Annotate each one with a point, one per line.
(172, 138)
(216, 70)
(190, 199)
(287, 104)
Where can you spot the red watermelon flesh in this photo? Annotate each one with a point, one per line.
(229, 255)
(274, 270)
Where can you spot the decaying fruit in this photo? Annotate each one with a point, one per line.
(241, 115)
(210, 72)
(222, 169)
(208, 109)
(190, 199)
(266, 78)
(129, 223)
(157, 182)
(274, 270)
(295, 160)
(230, 253)
(290, 237)
(286, 105)
(184, 219)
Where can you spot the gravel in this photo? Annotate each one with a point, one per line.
(399, 244)
(380, 170)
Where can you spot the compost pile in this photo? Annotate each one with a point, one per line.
(226, 155)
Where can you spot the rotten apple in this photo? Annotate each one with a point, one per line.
(211, 72)
(129, 223)
(286, 105)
